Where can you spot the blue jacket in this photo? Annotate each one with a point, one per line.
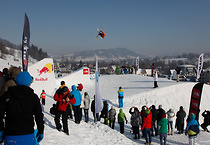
(192, 126)
(77, 95)
(121, 93)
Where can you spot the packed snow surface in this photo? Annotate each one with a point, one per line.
(138, 92)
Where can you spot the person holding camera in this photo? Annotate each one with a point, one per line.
(63, 98)
(206, 115)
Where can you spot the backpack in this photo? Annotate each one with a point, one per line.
(53, 109)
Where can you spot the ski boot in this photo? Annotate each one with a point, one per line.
(169, 133)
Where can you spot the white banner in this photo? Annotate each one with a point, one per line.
(98, 98)
(137, 63)
(200, 65)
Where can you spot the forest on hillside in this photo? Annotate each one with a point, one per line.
(34, 51)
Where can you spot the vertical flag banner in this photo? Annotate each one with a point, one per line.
(153, 65)
(25, 43)
(137, 63)
(195, 100)
(98, 99)
(200, 65)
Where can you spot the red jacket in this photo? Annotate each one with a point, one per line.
(147, 121)
(59, 98)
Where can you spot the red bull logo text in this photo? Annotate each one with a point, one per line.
(41, 79)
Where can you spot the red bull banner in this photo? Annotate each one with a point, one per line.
(195, 100)
(85, 71)
(25, 43)
(48, 68)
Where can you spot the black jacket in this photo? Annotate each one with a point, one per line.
(206, 115)
(154, 114)
(93, 106)
(22, 107)
(180, 116)
(104, 112)
(160, 113)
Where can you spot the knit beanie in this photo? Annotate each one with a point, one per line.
(147, 111)
(192, 116)
(64, 89)
(23, 78)
(164, 115)
(80, 86)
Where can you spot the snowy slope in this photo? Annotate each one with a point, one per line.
(138, 91)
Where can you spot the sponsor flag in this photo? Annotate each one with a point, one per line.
(195, 100)
(25, 43)
(137, 63)
(153, 65)
(200, 65)
(98, 98)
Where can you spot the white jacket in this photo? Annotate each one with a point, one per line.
(156, 76)
(170, 115)
(82, 102)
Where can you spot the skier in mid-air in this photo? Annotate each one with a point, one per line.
(100, 33)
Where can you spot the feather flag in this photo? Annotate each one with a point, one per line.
(137, 63)
(196, 99)
(98, 99)
(25, 43)
(200, 65)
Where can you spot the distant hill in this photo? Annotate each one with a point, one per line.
(103, 54)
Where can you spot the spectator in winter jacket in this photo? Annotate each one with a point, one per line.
(155, 79)
(95, 115)
(206, 115)
(111, 117)
(121, 119)
(42, 97)
(10, 81)
(79, 88)
(170, 116)
(142, 114)
(192, 129)
(163, 129)
(146, 126)
(6, 74)
(154, 120)
(63, 98)
(160, 113)
(177, 73)
(2, 81)
(135, 121)
(104, 112)
(63, 84)
(120, 97)
(180, 120)
(86, 106)
(22, 108)
(76, 106)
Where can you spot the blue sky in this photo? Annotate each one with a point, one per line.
(151, 27)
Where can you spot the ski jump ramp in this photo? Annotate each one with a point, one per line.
(44, 77)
